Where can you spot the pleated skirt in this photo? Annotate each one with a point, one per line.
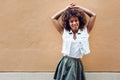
(69, 69)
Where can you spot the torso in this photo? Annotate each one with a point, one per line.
(72, 43)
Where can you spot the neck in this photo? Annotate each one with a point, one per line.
(74, 31)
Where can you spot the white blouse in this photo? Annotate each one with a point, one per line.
(75, 50)
(78, 47)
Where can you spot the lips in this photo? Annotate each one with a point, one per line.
(75, 25)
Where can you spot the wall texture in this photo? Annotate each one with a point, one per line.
(29, 41)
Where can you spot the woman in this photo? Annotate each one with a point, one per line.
(75, 32)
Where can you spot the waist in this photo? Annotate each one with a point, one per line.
(72, 57)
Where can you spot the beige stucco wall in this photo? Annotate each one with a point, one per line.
(29, 41)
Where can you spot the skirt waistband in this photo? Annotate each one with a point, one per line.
(72, 57)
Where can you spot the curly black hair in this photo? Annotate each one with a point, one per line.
(76, 12)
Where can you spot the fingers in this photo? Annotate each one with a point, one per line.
(72, 5)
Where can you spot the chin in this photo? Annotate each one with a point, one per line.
(76, 29)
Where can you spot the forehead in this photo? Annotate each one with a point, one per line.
(73, 18)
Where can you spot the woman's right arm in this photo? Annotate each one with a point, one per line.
(55, 20)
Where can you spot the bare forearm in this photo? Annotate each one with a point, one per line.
(58, 14)
(87, 11)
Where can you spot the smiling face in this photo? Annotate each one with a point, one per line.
(74, 23)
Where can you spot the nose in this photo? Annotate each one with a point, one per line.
(74, 22)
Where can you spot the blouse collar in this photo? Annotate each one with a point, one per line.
(79, 32)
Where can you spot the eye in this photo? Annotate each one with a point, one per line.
(71, 21)
(76, 20)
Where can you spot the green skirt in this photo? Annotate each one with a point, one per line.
(69, 69)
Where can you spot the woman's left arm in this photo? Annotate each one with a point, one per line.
(92, 16)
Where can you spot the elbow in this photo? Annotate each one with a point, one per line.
(53, 20)
(52, 17)
(94, 15)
